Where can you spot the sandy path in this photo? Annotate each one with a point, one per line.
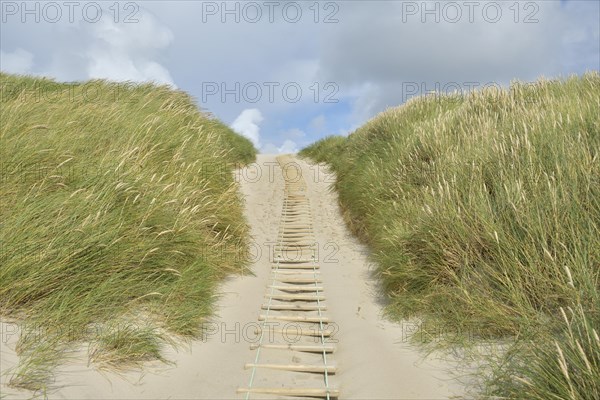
(374, 360)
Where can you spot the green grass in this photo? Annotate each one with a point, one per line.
(118, 204)
(483, 214)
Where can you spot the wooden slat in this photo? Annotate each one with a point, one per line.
(293, 307)
(331, 369)
(294, 266)
(297, 392)
(296, 347)
(297, 236)
(301, 297)
(293, 318)
(293, 288)
(296, 272)
(289, 332)
(300, 280)
(284, 261)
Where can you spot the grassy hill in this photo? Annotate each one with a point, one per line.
(483, 214)
(119, 216)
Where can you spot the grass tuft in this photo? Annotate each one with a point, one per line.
(483, 214)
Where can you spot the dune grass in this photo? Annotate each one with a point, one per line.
(483, 214)
(119, 216)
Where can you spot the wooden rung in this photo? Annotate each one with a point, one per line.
(294, 266)
(293, 318)
(295, 347)
(297, 392)
(304, 222)
(292, 307)
(290, 261)
(303, 288)
(300, 280)
(287, 257)
(295, 249)
(302, 297)
(296, 272)
(293, 254)
(331, 369)
(297, 236)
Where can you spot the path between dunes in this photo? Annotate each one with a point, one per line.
(373, 358)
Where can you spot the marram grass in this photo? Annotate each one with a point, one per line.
(119, 216)
(483, 213)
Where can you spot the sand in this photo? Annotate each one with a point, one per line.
(373, 356)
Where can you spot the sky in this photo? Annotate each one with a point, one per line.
(287, 73)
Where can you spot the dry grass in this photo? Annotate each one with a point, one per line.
(118, 201)
(483, 212)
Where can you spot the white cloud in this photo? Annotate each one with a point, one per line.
(100, 50)
(246, 124)
(289, 146)
(18, 62)
(124, 52)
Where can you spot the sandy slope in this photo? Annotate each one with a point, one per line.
(374, 360)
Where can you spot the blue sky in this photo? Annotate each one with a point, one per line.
(349, 59)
